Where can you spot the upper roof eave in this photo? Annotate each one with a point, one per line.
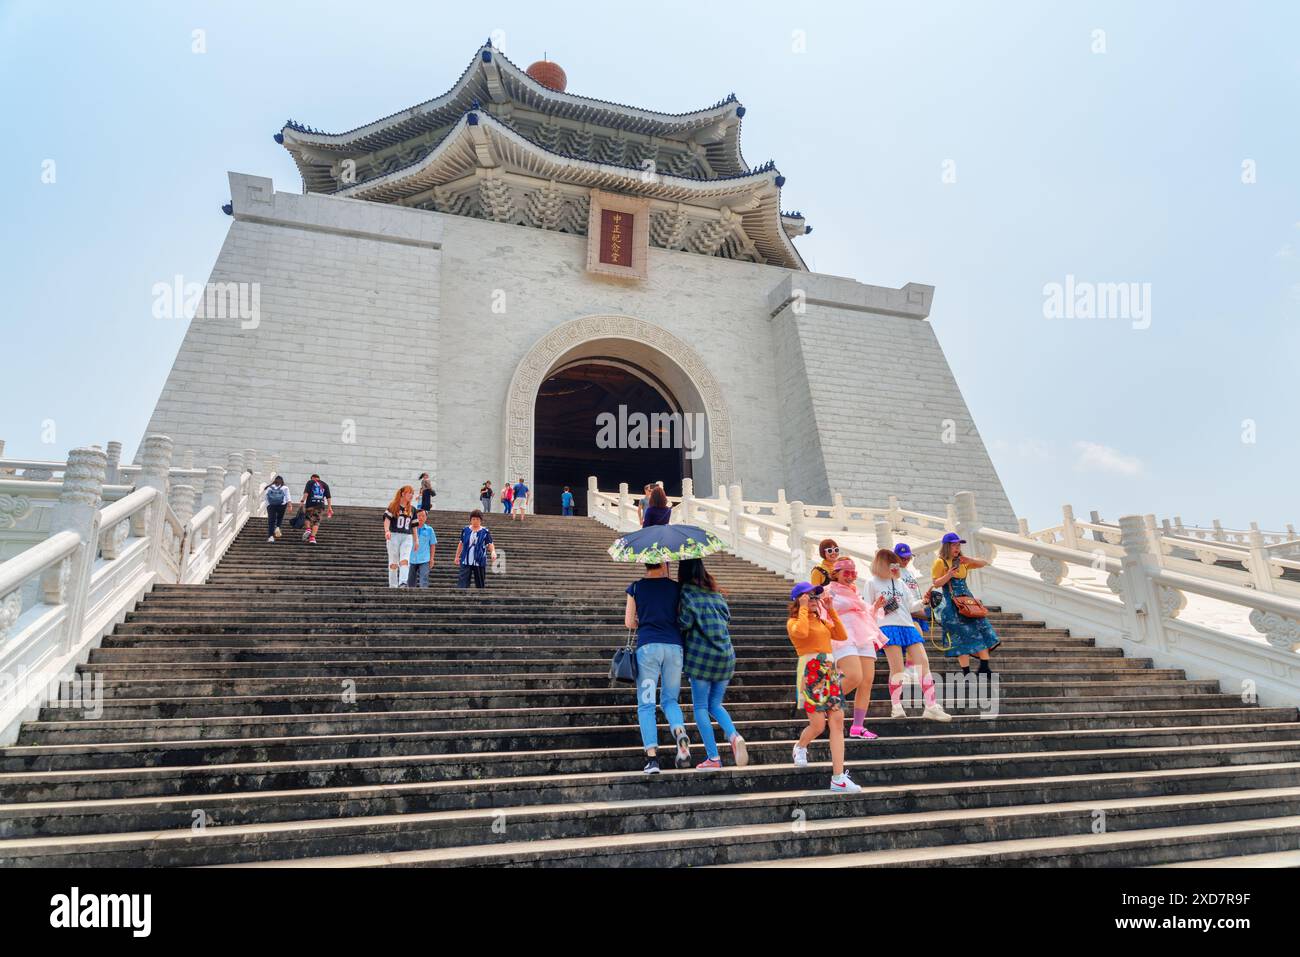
(472, 85)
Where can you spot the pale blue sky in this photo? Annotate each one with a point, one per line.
(1123, 166)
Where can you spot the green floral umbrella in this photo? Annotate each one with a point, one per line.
(665, 543)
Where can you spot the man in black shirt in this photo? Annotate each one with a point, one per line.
(316, 500)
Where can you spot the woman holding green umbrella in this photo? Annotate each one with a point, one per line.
(651, 610)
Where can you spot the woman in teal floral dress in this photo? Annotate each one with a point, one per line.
(968, 636)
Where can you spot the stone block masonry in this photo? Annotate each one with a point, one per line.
(389, 337)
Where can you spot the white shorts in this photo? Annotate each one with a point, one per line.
(519, 506)
(847, 649)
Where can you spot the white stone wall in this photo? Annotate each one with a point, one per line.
(347, 334)
(884, 397)
(349, 280)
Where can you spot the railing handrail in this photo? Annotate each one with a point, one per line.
(31, 561)
(124, 508)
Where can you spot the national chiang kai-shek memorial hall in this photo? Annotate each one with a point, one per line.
(464, 286)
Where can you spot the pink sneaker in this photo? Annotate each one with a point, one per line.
(709, 764)
(863, 733)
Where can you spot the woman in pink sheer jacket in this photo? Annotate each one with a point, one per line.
(856, 658)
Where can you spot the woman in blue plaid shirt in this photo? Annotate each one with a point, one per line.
(709, 660)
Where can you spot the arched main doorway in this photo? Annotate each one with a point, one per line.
(585, 361)
(584, 404)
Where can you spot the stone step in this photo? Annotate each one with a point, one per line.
(107, 783)
(464, 721)
(1159, 829)
(683, 824)
(773, 683)
(769, 742)
(1187, 843)
(1088, 696)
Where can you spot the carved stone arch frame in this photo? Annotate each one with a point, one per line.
(521, 400)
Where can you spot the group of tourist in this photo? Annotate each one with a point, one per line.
(682, 626)
(412, 545)
(514, 499)
(314, 504)
(682, 630)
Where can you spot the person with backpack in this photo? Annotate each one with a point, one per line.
(708, 659)
(277, 502)
(507, 497)
(316, 501)
(485, 497)
(427, 493)
(423, 546)
(399, 518)
(651, 611)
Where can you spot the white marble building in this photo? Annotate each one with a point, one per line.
(441, 297)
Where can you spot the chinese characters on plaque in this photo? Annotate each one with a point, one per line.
(618, 235)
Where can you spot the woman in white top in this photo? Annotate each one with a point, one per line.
(397, 534)
(904, 636)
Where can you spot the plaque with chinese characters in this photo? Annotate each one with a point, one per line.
(618, 235)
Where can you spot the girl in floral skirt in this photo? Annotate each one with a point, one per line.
(812, 625)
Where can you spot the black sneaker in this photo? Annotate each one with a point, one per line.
(651, 766)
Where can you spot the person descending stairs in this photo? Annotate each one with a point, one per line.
(293, 710)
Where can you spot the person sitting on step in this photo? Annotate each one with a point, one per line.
(904, 636)
(398, 519)
(813, 624)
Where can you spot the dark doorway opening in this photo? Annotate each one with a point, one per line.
(566, 427)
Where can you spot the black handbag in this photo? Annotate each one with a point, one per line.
(300, 518)
(622, 668)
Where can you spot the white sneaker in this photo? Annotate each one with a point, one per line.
(271, 539)
(277, 531)
(739, 751)
(897, 712)
(935, 713)
(843, 784)
(800, 757)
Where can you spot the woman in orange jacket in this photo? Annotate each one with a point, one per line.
(812, 625)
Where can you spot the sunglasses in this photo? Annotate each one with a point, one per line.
(832, 549)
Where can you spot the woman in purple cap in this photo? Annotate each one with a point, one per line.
(920, 618)
(969, 636)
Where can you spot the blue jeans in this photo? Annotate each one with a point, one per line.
(568, 509)
(706, 698)
(657, 665)
(419, 577)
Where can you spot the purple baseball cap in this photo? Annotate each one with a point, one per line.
(804, 588)
(950, 537)
(902, 550)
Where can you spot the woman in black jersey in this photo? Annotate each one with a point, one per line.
(397, 533)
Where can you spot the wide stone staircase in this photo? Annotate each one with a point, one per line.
(295, 711)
